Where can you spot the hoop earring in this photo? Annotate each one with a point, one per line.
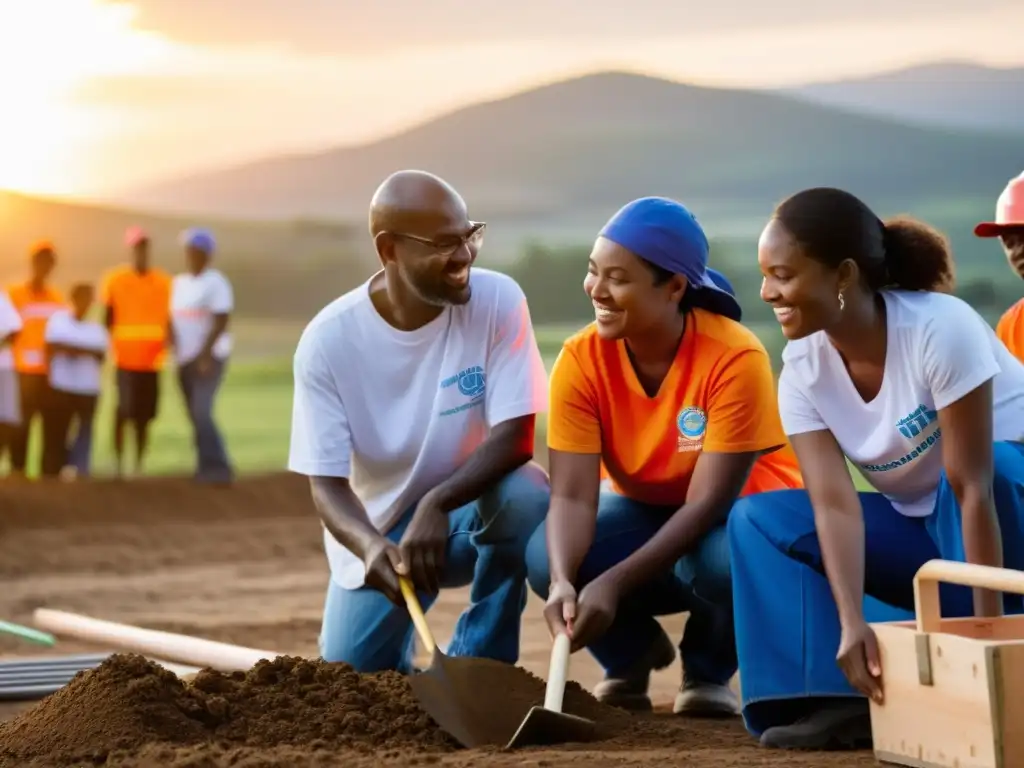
(842, 302)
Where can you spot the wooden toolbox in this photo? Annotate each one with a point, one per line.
(954, 688)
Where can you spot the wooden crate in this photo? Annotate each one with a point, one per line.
(954, 688)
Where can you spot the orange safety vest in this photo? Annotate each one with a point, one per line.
(142, 306)
(35, 309)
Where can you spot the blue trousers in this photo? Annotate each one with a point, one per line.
(200, 391)
(486, 546)
(698, 583)
(787, 624)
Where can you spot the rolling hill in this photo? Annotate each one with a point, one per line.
(959, 95)
(567, 154)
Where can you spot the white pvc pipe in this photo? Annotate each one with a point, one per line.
(151, 642)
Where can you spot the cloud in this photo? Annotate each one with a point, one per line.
(348, 27)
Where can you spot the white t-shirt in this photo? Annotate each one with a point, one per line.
(195, 299)
(10, 322)
(80, 374)
(397, 412)
(939, 349)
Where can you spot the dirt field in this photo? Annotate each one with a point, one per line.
(245, 566)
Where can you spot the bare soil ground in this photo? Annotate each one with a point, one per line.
(245, 565)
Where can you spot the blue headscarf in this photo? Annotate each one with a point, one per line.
(666, 234)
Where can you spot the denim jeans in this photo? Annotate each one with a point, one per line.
(200, 392)
(786, 617)
(486, 546)
(67, 432)
(699, 583)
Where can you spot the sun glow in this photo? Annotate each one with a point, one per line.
(47, 48)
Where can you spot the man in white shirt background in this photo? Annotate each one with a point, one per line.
(10, 394)
(75, 349)
(202, 300)
(413, 416)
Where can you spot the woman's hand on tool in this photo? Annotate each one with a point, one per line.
(560, 608)
(598, 604)
(383, 562)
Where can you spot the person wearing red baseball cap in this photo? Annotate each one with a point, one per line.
(137, 299)
(1009, 228)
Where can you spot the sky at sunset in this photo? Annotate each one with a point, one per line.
(100, 95)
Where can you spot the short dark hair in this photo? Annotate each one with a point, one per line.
(81, 288)
(832, 225)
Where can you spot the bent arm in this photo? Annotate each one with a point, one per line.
(343, 514)
(572, 516)
(838, 519)
(507, 447)
(967, 457)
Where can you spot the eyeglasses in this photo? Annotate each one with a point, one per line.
(450, 245)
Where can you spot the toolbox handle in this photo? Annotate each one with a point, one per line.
(929, 575)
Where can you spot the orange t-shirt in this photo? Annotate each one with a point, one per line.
(142, 311)
(719, 396)
(35, 309)
(1010, 330)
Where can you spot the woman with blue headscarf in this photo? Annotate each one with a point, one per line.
(672, 401)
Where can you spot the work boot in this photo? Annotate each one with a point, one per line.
(628, 689)
(696, 699)
(844, 724)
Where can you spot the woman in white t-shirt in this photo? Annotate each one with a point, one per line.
(76, 348)
(10, 394)
(887, 370)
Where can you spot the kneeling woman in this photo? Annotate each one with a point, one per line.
(675, 401)
(883, 368)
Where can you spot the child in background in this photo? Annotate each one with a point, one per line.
(10, 394)
(76, 347)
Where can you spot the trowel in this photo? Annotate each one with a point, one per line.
(548, 725)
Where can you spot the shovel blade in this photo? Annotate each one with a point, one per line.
(468, 698)
(544, 727)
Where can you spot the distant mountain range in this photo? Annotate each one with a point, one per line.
(952, 94)
(562, 157)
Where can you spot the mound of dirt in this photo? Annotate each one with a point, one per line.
(129, 704)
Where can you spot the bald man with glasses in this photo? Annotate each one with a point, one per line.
(413, 417)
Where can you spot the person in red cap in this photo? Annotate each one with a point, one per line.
(1009, 228)
(137, 298)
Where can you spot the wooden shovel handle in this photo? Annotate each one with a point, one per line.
(929, 575)
(557, 673)
(419, 620)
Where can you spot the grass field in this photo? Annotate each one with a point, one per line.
(254, 406)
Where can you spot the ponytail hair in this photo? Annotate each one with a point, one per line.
(833, 226)
(917, 256)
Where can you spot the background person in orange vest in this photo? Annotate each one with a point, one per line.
(1009, 228)
(137, 298)
(35, 300)
(10, 405)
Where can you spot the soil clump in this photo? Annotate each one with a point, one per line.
(129, 705)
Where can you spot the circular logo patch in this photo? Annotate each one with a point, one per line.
(691, 422)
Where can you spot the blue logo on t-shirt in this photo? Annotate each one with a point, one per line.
(919, 426)
(472, 382)
(691, 422)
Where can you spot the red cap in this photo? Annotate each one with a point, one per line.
(135, 235)
(1009, 210)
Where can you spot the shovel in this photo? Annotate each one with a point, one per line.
(467, 697)
(549, 725)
